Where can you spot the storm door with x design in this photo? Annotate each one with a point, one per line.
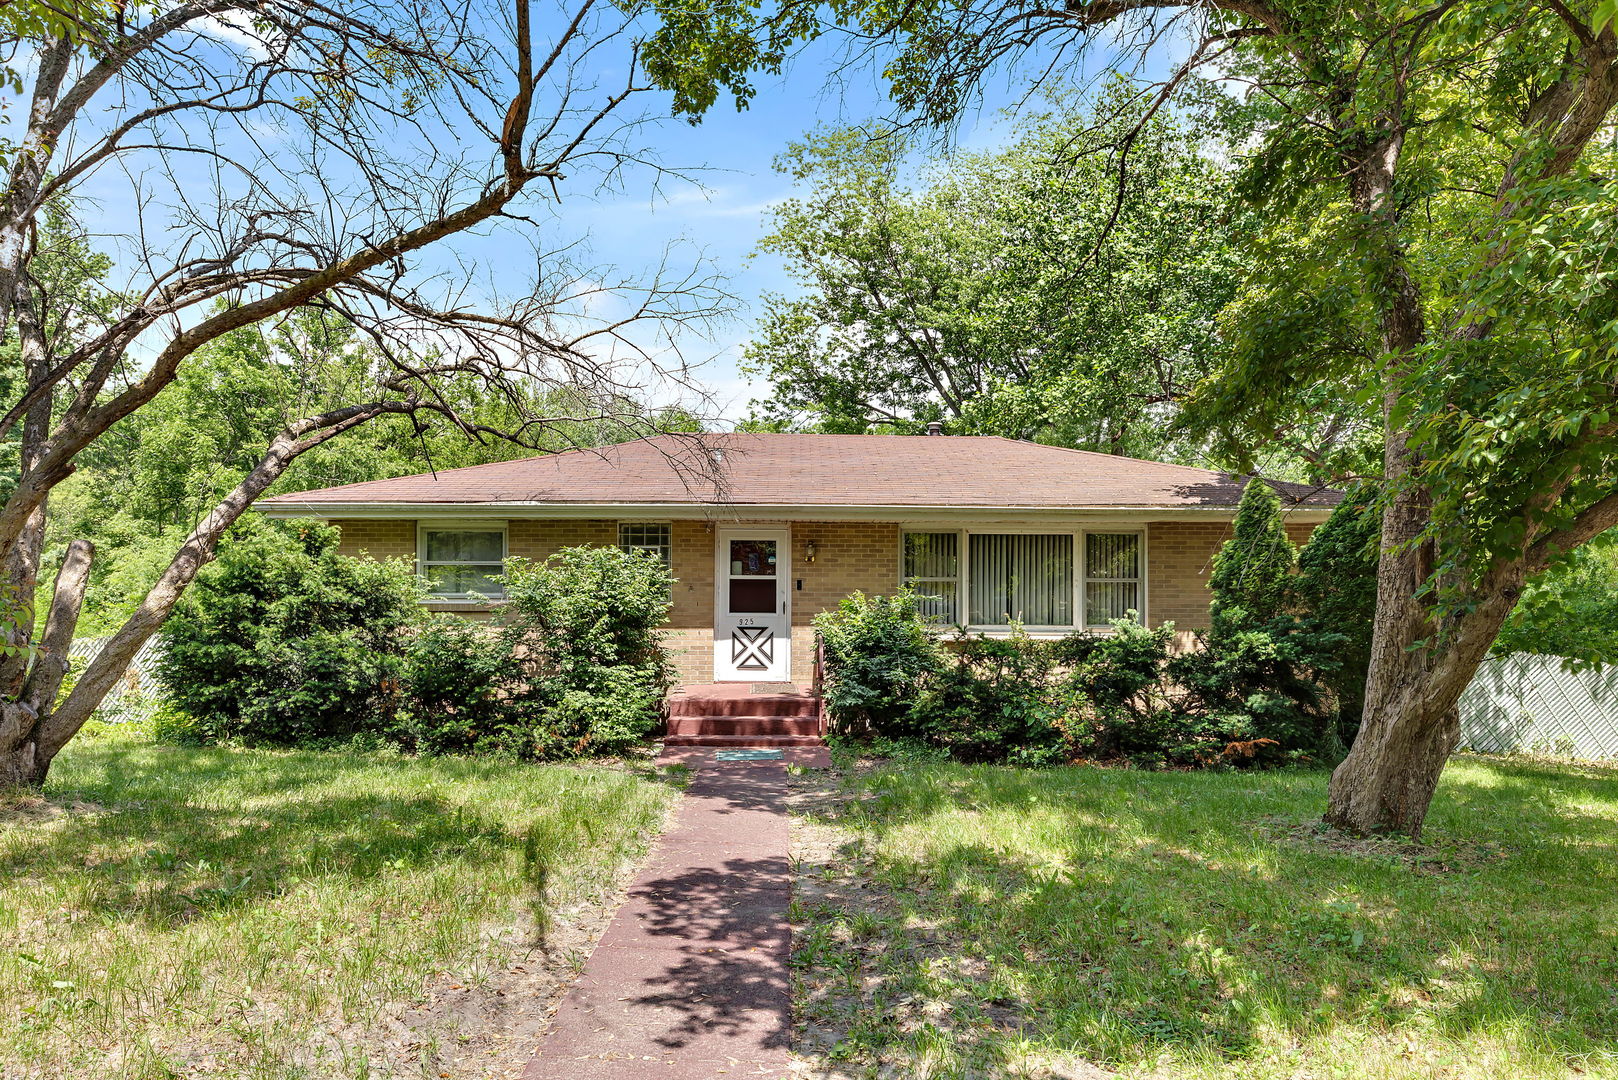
(752, 606)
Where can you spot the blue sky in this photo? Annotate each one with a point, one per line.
(725, 214)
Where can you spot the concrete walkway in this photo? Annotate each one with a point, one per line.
(690, 979)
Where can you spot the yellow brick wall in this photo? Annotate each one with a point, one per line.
(1179, 559)
(379, 539)
(693, 563)
(849, 555)
(385, 539)
(538, 540)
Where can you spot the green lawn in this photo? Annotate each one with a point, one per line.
(237, 913)
(1192, 925)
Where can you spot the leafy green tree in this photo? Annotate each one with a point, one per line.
(1570, 611)
(325, 178)
(1032, 292)
(1438, 179)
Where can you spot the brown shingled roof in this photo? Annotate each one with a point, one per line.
(817, 470)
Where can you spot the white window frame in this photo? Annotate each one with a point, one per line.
(667, 549)
(422, 564)
(963, 565)
(1081, 607)
(920, 583)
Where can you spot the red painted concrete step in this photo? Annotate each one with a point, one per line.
(751, 705)
(743, 725)
(742, 740)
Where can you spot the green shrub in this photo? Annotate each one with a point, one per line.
(281, 641)
(992, 701)
(880, 652)
(461, 691)
(1259, 693)
(1259, 677)
(583, 630)
(1252, 572)
(1114, 698)
(1122, 695)
(1336, 594)
(173, 726)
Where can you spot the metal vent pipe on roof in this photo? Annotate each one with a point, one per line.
(935, 427)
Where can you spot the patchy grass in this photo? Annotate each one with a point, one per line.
(169, 912)
(994, 922)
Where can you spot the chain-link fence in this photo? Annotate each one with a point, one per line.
(136, 694)
(1530, 704)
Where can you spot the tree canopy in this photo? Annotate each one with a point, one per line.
(1034, 291)
(280, 173)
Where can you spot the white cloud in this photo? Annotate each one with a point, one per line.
(234, 28)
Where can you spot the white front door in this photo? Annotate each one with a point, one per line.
(752, 639)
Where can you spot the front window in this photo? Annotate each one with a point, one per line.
(1038, 580)
(647, 536)
(1022, 578)
(932, 569)
(1111, 577)
(463, 561)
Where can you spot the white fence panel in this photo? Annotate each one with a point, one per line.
(1529, 703)
(136, 693)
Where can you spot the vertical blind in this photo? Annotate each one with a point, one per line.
(1111, 577)
(1026, 578)
(932, 568)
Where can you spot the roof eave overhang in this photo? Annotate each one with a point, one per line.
(756, 511)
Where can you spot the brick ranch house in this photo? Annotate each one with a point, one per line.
(764, 531)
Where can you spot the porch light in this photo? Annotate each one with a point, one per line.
(809, 551)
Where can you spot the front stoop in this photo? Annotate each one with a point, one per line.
(732, 714)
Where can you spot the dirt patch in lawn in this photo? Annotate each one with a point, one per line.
(486, 1024)
(19, 806)
(1443, 856)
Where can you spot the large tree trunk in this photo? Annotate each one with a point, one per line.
(35, 728)
(1419, 669)
(23, 762)
(1412, 725)
(1387, 781)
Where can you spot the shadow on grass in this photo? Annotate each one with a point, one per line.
(1120, 914)
(182, 834)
